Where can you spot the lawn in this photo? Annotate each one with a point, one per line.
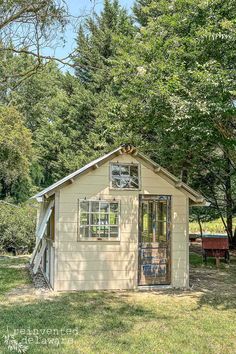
(198, 321)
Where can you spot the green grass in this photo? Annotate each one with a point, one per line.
(214, 226)
(12, 275)
(197, 261)
(122, 322)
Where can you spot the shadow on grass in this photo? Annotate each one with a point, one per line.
(105, 315)
(218, 300)
(221, 291)
(218, 285)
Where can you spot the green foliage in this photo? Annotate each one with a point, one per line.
(15, 152)
(165, 83)
(17, 227)
(176, 77)
(96, 44)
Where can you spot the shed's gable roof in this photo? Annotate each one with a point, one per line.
(123, 149)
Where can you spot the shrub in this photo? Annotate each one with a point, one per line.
(17, 228)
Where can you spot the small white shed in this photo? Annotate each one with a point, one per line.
(119, 222)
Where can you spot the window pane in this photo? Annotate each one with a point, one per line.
(104, 220)
(151, 234)
(95, 206)
(115, 170)
(84, 232)
(161, 231)
(124, 183)
(94, 230)
(113, 218)
(104, 207)
(114, 231)
(84, 219)
(84, 206)
(134, 171)
(104, 231)
(113, 207)
(115, 183)
(161, 211)
(124, 170)
(95, 219)
(145, 237)
(134, 182)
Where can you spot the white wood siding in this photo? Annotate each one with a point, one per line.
(87, 265)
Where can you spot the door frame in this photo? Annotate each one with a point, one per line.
(154, 197)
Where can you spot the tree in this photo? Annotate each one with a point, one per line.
(96, 44)
(176, 81)
(17, 228)
(141, 10)
(15, 154)
(26, 28)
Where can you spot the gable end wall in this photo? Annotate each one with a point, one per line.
(94, 265)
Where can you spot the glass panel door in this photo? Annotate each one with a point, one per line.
(154, 240)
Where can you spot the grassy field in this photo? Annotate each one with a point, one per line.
(198, 321)
(215, 226)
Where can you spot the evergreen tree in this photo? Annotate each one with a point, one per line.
(141, 10)
(96, 44)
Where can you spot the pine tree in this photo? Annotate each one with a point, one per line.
(141, 10)
(96, 44)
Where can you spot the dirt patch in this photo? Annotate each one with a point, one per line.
(37, 286)
(216, 282)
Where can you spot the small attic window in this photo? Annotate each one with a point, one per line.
(125, 176)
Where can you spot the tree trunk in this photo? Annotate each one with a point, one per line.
(184, 174)
(200, 224)
(229, 203)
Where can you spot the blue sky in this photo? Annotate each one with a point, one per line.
(76, 8)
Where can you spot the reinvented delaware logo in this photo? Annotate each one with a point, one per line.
(13, 345)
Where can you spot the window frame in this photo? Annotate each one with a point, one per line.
(125, 164)
(97, 239)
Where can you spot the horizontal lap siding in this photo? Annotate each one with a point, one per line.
(113, 246)
(112, 284)
(125, 237)
(96, 275)
(112, 265)
(65, 257)
(97, 265)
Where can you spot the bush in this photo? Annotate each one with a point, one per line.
(17, 228)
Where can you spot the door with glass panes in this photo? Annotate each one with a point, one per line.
(154, 239)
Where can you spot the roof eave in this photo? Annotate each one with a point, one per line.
(68, 179)
(194, 196)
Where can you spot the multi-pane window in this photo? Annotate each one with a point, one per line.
(124, 176)
(99, 220)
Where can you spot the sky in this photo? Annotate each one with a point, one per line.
(76, 8)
